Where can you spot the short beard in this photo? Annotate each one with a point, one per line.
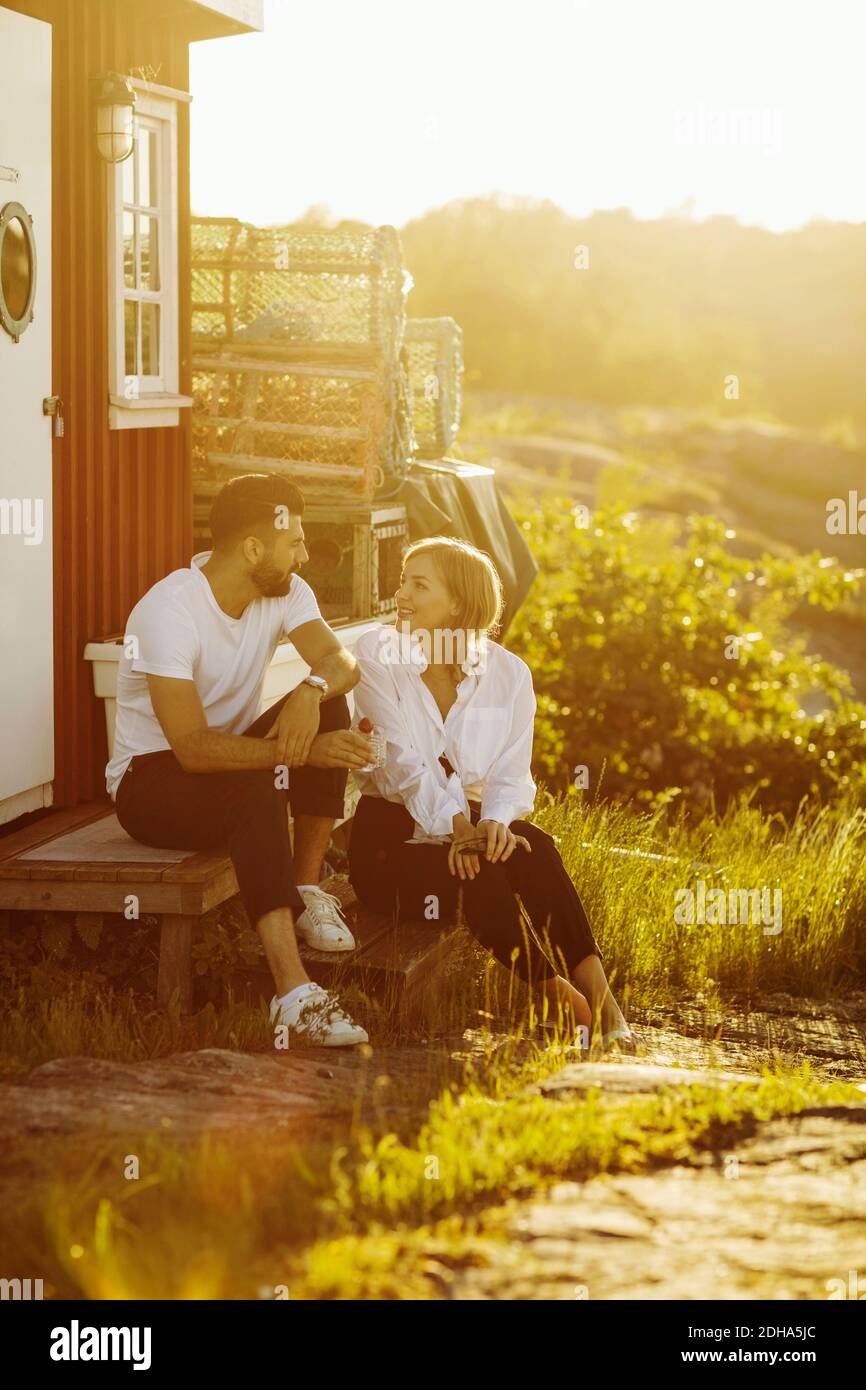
(271, 582)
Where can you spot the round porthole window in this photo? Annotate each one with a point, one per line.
(17, 269)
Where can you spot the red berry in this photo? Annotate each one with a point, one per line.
(365, 726)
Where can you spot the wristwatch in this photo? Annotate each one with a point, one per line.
(318, 683)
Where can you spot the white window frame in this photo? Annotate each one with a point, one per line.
(136, 402)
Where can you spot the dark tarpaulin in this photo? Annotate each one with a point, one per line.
(450, 498)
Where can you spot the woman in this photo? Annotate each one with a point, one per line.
(457, 711)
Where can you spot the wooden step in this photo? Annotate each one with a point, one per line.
(82, 861)
(391, 961)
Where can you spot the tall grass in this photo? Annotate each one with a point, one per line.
(817, 861)
(79, 1021)
(628, 869)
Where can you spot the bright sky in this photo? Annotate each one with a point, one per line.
(383, 109)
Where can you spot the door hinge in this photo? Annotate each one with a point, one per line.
(53, 406)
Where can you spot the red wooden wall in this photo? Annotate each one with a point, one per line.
(122, 498)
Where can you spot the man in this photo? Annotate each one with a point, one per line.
(196, 767)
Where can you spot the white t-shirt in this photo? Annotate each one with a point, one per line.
(180, 630)
(486, 737)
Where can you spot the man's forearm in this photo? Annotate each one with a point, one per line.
(211, 751)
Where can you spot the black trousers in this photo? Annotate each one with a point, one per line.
(243, 812)
(389, 875)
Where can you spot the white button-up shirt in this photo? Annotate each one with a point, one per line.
(486, 736)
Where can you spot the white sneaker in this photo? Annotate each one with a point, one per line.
(322, 924)
(316, 1016)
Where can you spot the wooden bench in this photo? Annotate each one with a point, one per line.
(82, 860)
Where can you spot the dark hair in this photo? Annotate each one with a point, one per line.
(250, 506)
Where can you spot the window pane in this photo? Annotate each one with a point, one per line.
(127, 169)
(148, 186)
(129, 249)
(149, 232)
(150, 339)
(131, 337)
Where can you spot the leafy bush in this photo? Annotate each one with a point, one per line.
(663, 663)
(43, 951)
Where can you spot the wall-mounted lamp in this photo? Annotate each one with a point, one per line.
(114, 99)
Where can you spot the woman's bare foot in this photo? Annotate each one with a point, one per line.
(569, 1006)
(620, 1038)
(609, 1027)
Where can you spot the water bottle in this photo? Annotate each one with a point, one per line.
(378, 741)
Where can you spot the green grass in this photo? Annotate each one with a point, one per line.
(817, 861)
(243, 1217)
(489, 1150)
(77, 1021)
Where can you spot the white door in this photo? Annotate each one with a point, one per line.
(26, 606)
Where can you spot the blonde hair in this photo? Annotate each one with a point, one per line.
(472, 579)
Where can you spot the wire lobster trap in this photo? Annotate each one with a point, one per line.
(297, 362)
(433, 353)
(324, 425)
(326, 289)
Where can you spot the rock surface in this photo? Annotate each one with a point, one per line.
(632, 1078)
(214, 1089)
(779, 1216)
